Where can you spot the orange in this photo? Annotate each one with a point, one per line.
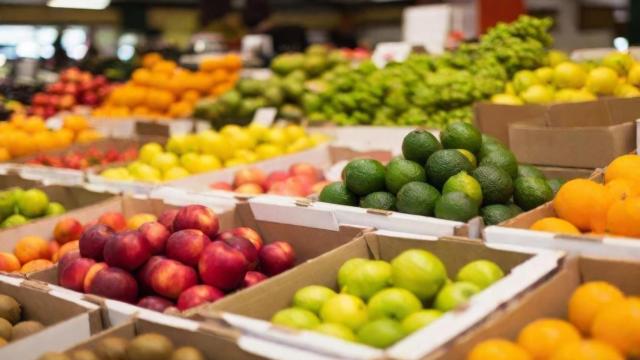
(87, 136)
(587, 350)
(622, 188)
(190, 96)
(159, 100)
(20, 144)
(75, 123)
(44, 140)
(232, 61)
(36, 265)
(619, 325)
(211, 63)
(555, 225)
(4, 154)
(219, 76)
(583, 203)
(150, 59)
(623, 218)
(9, 262)
(164, 66)
(140, 110)
(33, 125)
(180, 109)
(543, 337)
(31, 248)
(64, 137)
(498, 349)
(588, 299)
(65, 248)
(141, 76)
(625, 166)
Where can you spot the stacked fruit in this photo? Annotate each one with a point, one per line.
(445, 179)
(75, 87)
(12, 325)
(86, 158)
(603, 324)
(160, 89)
(302, 179)
(142, 347)
(209, 150)
(18, 206)
(178, 257)
(23, 135)
(618, 74)
(379, 303)
(583, 205)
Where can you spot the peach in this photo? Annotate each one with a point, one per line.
(155, 303)
(137, 220)
(276, 257)
(73, 274)
(249, 234)
(221, 185)
(288, 187)
(156, 235)
(93, 239)
(32, 248)
(186, 246)
(222, 266)
(71, 245)
(249, 176)
(114, 283)
(317, 187)
(67, 229)
(198, 294)
(144, 274)
(127, 250)
(53, 249)
(252, 278)
(246, 248)
(36, 265)
(91, 274)
(167, 217)
(305, 169)
(169, 278)
(197, 217)
(249, 189)
(9, 262)
(113, 219)
(274, 177)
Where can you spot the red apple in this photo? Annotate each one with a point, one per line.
(155, 303)
(249, 176)
(113, 219)
(186, 246)
(249, 189)
(276, 257)
(167, 217)
(67, 229)
(66, 102)
(247, 249)
(305, 169)
(93, 239)
(169, 278)
(221, 185)
(249, 234)
(73, 274)
(127, 250)
(252, 278)
(114, 283)
(197, 217)
(91, 274)
(222, 266)
(144, 274)
(156, 235)
(197, 295)
(274, 177)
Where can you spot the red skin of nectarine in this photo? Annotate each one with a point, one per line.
(305, 169)
(245, 232)
(274, 177)
(73, 274)
(221, 185)
(144, 274)
(156, 235)
(246, 248)
(155, 303)
(170, 278)
(91, 273)
(114, 283)
(113, 219)
(222, 266)
(127, 250)
(186, 246)
(93, 240)
(197, 295)
(249, 176)
(67, 229)
(67, 258)
(197, 217)
(167, 217)
(252, 278)
(276, 257)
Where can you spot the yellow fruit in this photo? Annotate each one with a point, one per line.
(587, 350)
(588, 299)
(4, 154)
(555, 57)
(626, 166)
(276, 136)
(569, 75)
(618, 61)
(75, 123)
(524, 79)
(602, 80)
(545, 74)
(498, 349)
(506, 99)
(634, 74)
(618, 324)
(294, 132)
(555, 225)
(543, 337)
(267, 151)
(537, 94)
(242, 140)
(89, 135)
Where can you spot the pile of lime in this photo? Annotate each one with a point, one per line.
(462, 175)
(18, 206)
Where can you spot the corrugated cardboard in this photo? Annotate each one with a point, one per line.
(494, 119)
(549, 299)
(564, 173)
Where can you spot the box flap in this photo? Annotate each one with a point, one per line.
(494, 119)
(582, 114)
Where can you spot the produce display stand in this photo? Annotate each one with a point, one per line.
(367, 138)
(130, 127)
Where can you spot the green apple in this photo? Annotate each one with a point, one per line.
(336, 330)
(14, 220)
(381, 333)
(312, 297)
(55, 208)
(368, 278)
(346, 268)
(420, 272)
(453, 295)
(7, 204)
(482, 273)
(32, 203)
(175, 173)
(419, 319)
(393, 303)
(296, 318)
(148, 151)
(207, 162)
(345, 309)
(189, 161)
(164, 161)
(148, 173)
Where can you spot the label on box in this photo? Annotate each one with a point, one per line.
(265, 116)
(387, 52)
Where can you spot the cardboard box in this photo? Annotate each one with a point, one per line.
(564, 173)
(549, 299)
(131, 127)
(250, 310)
(69, 322)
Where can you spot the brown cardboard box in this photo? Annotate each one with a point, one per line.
(550, 299)
(553, 172)
(494, 119)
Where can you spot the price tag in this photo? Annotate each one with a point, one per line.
(390, 51)
(265, 116)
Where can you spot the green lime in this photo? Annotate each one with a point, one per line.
(379, 200)
(443, 164)
(456, 206)
(503, 159)
(32, 203)
(515, 209)
(469, 155)
(465, 183)
(460, 135)
(488, 148)
(488, 139)
(496, 213)
(380, 333)
(337, 193)
(417, 198)
(14, 220)
(418, 145)
(530, 171)
(555, 184)
(7, 204)
(496, 184)
(364, 176)
(401, 171)
(55, 208)
(531, 192)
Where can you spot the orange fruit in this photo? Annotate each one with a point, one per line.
(4, 154)
(140, 110)
(498, 349)
(543, 337)
(65, 248)
(44, 140)
(36, 265)
(587, 350)
(150, 59)
(622, 188)
(555, 225)
(583, 203)
(211, 63)
(623, 217)
(20, 144)
(31, 248)
(164, 66)
(232, 61)
(9, 262)
(64, 137)
(159, 100)
(180, 109)
(618, 324)
(87, 136)
(75, 123)
(33, 125)
(141, 76)
(588, 299)
(625, 166)
(190, 96)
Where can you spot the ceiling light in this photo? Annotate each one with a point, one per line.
(79, 4)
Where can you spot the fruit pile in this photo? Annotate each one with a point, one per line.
(603, 325)
(444, 179)
(618, 74)
(160, 89)
(583, 205)
(209, 150)
(75, 87)
(142, 347)
(12, 325)
(24, 135)
(302, 179)
(18, 206)
(379, 303)
(179, 258)
(86, 158)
